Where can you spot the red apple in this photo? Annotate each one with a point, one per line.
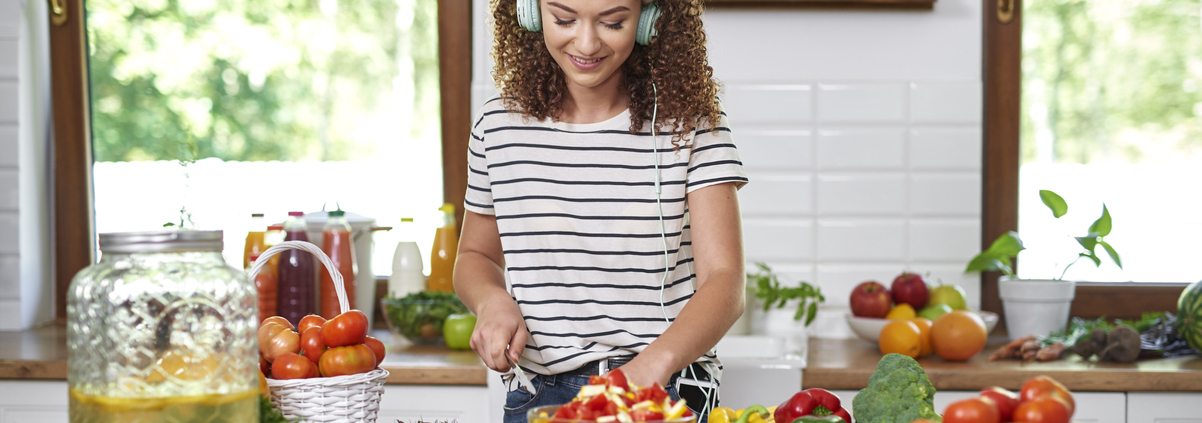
(870, 299)
(912, 289)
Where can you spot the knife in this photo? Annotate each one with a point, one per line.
(521, 375)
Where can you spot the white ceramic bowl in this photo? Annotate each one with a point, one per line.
(868, 328)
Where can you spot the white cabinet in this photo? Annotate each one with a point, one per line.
(1164, 407)
(33, 401)
(46, 402)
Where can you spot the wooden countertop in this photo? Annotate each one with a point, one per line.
(42, 354)
(848, 363)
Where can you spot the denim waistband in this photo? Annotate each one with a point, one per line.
(594, 367)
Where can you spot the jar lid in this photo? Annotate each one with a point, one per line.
(161, 241)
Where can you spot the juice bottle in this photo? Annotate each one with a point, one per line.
(336, 242)
(255, 244)
(267, 281)
(442, 256)
(298, 278)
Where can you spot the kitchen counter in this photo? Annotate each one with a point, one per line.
(832, 364)
(846, 364)
(42, 354)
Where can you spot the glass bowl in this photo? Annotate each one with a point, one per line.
(536, 415)
(419, 320)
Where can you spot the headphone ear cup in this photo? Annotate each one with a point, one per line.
(529, 16)
(647, 17)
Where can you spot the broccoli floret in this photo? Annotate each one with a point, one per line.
(897, 392)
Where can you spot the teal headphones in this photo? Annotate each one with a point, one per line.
(530, 18)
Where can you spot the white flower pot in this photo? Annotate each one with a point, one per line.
(1035, 306)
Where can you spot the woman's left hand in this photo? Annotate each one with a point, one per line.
(643, 371)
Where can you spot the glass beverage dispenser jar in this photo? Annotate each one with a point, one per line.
(162, 330)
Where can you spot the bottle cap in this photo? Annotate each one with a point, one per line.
(297, 214)
(336, 213)
(275, 227)
(447, 208)
(406, 219)
(256, 215)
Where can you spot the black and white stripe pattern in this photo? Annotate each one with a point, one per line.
(576, 208)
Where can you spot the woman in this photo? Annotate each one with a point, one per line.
(607, 232)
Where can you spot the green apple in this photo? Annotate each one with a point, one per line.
(457, 330)
(933, 312)
(950, 295)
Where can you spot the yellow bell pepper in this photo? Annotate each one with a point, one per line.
(723, 415)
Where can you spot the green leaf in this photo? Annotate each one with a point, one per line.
(1113, 254)
(1054, 202)
(811, 313)
(1089, 242)
(1096, 261)
(1102, 225)
(987, 263)
(1008, 245)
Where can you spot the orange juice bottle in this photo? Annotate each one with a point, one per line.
(442, 256)
(336, 242)
(255, 243)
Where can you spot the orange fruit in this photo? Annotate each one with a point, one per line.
(902, 337)
(924, 333)
(958, 335)
(263, 389)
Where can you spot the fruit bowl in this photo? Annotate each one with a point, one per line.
(868, 328)
(543, 415)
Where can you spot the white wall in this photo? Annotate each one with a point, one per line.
(861, 133)
(25, 278)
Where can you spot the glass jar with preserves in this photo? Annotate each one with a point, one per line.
(162, 330)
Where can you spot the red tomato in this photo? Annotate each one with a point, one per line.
(655, 393)
(1046, 409)
(596, 403)
(617, 378)
(284, 341)
(312, 344)
(348, 360)
(348, 328)
(267, 331)
(567, 411)
(611, 409)
(596, 380)
(291, 366)
(377, 347)
(972, 410)
(277, 319)
(310, 321)
(1039, 386)
(264, 366)
(646, 416)
(1005, 401)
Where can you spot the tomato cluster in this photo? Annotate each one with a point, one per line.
(317, 347)
(1041, 400)
(611, 396)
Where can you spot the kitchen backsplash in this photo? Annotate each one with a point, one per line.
(861, 133)
(10, 299)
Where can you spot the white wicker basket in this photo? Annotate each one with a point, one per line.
(340, 399)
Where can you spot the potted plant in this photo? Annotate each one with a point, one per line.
(1041, 306)
(776, 308)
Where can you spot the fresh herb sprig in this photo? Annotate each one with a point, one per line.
(766, 286)
(269, 414)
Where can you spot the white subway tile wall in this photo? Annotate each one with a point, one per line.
(861, 134)
(10, 302)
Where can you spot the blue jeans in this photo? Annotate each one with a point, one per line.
(552, 390)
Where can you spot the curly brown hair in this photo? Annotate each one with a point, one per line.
(530, 80)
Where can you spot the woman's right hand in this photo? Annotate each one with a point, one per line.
(500, 331)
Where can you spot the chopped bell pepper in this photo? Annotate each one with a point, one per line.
(755, 410)
(722, 415)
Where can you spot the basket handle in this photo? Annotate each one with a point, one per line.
(343, 303)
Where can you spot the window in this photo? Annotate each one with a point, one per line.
(1112, 112)
(186, 133)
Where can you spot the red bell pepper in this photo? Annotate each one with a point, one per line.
(811, 402)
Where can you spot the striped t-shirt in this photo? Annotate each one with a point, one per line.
(575, 205)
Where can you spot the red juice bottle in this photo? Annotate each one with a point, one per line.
(336, 242)
(297, 276)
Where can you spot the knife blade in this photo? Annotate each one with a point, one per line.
(523, 380)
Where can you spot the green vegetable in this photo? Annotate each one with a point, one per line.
(897, 392)
(765, 286)
(268, 413)
(419, 316)
(829, 418)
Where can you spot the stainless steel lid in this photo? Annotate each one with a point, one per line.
(160, 241)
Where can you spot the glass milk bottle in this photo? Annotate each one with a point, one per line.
(162, 330)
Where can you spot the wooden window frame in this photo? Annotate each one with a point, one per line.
(74, 216)
(1002, 54)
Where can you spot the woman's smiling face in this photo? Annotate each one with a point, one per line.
(590, 39)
